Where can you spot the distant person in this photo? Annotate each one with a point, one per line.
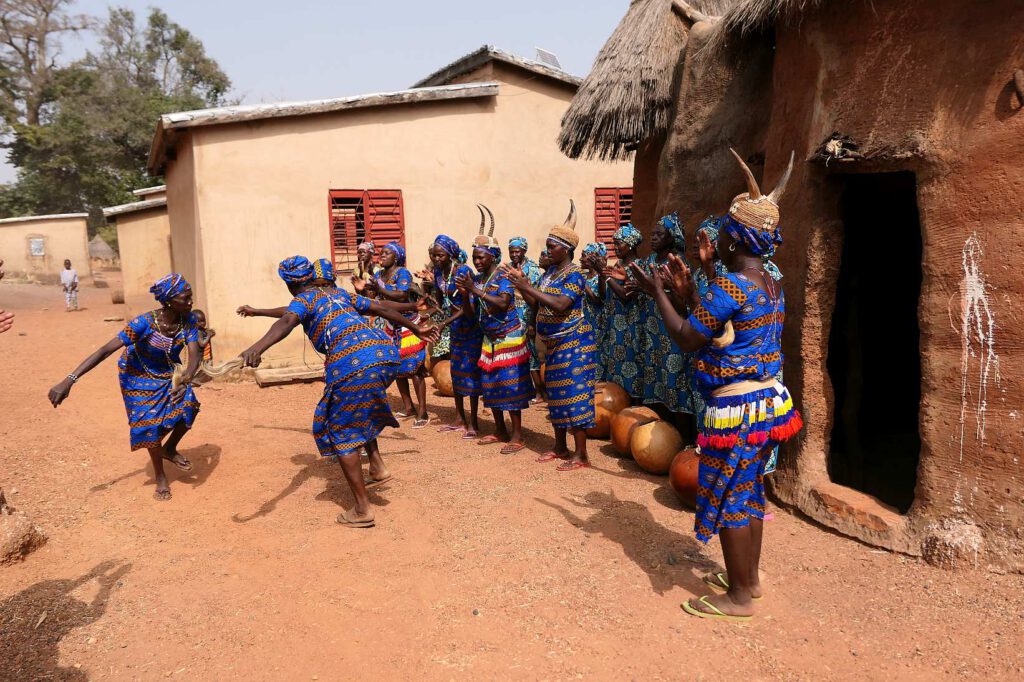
(6, 318)
(69, 283)
(157, 408)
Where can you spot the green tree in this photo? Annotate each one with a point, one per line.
(91, 145)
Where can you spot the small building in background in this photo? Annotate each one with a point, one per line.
(144, 241)
(102, 255)
(248, 186)
(35, 247)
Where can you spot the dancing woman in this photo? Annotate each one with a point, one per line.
(505, 357)
(393, 283)
(466, 338)
(570, 371)
(152, 345)
(624, 340)
(361, 362)
(517, 248)
(594, 262)
(748, 411)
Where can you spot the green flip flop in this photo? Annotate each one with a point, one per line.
(714, 614)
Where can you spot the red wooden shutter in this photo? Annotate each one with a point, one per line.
(385, 216)
(613, 208)
(347, 227)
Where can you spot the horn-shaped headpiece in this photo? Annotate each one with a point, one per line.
(485, 240)
(754, 209)
(566, 232)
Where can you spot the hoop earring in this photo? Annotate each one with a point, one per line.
(732, 247)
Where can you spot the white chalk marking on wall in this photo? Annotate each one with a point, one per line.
(977, 340)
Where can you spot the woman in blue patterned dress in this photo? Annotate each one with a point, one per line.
(664, 369)
(748, 410)
(624, 341)
(517, 248)
(361, 362)
(152, 345)
(393, 283)
(597, 306)
(570, 368)
(465, 335)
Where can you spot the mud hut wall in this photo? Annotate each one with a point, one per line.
(144, 238)
(722, 100)
(62, 237)
(923, 87)
(646, 188)
(183, 193)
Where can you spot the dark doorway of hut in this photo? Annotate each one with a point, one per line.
(874, 358)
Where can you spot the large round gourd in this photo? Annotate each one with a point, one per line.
(602, 424)
(442, 374)
(612, 397)
(654, 446)
(683, 476)
(624, 422)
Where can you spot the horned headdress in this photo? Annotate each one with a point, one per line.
(754, 217)
(566, 232)
(486, 240)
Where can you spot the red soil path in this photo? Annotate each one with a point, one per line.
(482, 566)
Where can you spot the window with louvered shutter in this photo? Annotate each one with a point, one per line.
(613, 208)
(356, 216)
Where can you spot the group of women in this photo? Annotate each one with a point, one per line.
(706, 342)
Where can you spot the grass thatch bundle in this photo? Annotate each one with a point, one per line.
(747, 16)
(627, 97)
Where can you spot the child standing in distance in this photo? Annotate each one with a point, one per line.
(69, 284)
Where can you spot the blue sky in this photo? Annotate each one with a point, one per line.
(310, 49)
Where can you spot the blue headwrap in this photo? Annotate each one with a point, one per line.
(170, 286)
(760, 242)
(710, 227)
(629, 235)
(675, 230)
(463, 257)
(518, 243)
(296, 270)
(399, 252)
(599, 249)
(323, 269)
(493, 250)
(448, 245)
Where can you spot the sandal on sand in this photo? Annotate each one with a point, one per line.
(549, 457)
(572, 465)
(162, 495)
(451, 427)
(403, 415)
(470, 434)
(489, 440)
(179, 460)
(714, 614)
(344, 520)
(512, 448)
(374, 482)
(720, 581)
(421, 423)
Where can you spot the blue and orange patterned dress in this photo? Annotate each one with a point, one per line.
(360, 364)
(597, 314)
(146, 371)
(526, 312)
(743, 422)
(504, 357)
(412, 349)
(570, 369)
(665, 378)
(466, 336)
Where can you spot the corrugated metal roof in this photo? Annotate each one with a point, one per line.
(489, 53)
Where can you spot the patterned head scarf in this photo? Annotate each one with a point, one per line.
(675, 230)
(323, 269)
(493, 250)
(710, 226)
(399, 251)
(462, 258)
(366, 247)
(296, 270)
(600, 249)
(760, 242)
(448, 245)
(629, 235)
(169, 286)
(518, 243)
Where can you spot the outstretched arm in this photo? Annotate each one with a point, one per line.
(61, 391)
(249, 311)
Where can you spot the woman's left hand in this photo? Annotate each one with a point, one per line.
(251, 358)
(179, 392)
(429, 333)
(648, 283)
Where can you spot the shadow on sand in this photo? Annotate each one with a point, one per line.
(669, 558)
(34, 621)
(204, 458)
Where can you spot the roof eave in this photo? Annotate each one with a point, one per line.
(134, 207)
(488, 53)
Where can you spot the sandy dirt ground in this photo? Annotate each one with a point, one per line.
(481, 566)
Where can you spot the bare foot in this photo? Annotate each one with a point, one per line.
(724, 603)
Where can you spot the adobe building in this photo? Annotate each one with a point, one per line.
(901, 339)
(35, 247)
(250, 185)
(144, 243)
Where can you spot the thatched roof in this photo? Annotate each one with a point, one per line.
(747, 16)
(627, 97)
(100, 249)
